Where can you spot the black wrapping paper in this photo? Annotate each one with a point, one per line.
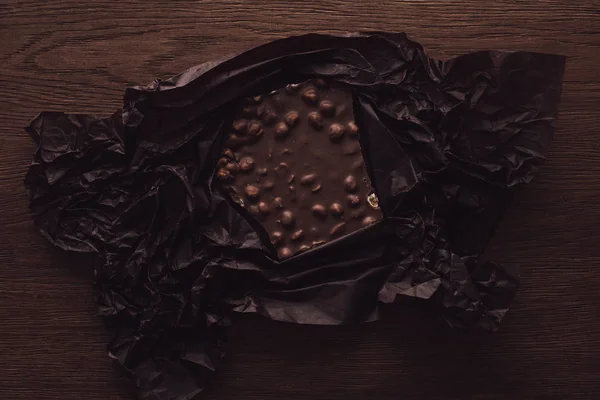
(446, 143)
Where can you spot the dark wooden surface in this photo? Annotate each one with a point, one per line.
(78, 56)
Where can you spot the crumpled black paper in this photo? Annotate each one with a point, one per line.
(446, 143)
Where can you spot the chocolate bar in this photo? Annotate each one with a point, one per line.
(293, 160)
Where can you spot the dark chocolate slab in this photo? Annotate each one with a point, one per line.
(293, 159)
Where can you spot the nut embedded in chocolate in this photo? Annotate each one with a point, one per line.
(308, 179)
(287, 219)
(264, 208)
(337, 230)
(238, 199)
(368, 221)
(268, 185)
(229, 154)
(319, 210)
(240, 126)
(304, 247)
(373, 201)
(281, 130)
(277, 238)
(352, 129)
(262, 171)
(247, 164)
(284, 253)
(278, 202)
(315, 120)
(232, 167)
(282, 168)
(353, 200)
(253, 209)
(327, 108)
(299, 234)
(336, 209)
(255, 129)
(310, 96)
(316, 188)
(336, 131)
(252, 192)
(291, 118)
(222, 162)
(224, 175)
(257, 99)
(350, 184)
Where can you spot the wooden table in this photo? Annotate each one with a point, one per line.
(78, 56)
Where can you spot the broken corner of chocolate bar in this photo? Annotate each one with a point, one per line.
(293, 160)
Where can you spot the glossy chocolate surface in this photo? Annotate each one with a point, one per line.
(293, 159)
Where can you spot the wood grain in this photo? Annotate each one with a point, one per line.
(78, 56)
